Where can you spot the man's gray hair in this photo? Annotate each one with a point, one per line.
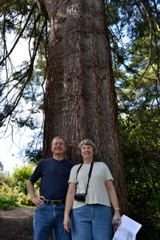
(87, 142)
(57, 137)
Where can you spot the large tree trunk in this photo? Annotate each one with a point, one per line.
(80, 95)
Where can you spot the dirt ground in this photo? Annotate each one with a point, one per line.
(16, 224)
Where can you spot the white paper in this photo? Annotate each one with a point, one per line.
(127, 230)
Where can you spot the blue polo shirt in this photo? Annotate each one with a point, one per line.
(54, 176)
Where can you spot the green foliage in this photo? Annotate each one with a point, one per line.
(24, 200)
(24, 85)
(21, 177)
(1, 167)
(7, 203)
(7, 190)
(15, 187)
(141, 149)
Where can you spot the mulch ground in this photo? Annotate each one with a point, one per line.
(16, 224)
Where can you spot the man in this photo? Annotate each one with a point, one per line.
(54, 173)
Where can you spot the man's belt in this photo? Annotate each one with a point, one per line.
(54, 202)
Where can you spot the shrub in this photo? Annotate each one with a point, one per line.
(5, 190)
(24, 200)
(7, 203)
(21, 176)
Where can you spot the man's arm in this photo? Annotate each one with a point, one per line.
(38, 201)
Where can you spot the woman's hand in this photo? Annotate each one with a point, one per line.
(68, 206)
(66, 223)
(117, 215)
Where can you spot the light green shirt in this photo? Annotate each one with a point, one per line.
(97, 192)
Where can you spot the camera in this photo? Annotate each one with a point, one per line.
(80, 197)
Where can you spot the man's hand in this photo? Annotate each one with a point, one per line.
(38, 201)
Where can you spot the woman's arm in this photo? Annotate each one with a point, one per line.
(68, 205)
(113, 198)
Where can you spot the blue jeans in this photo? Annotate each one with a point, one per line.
(91, 222)
(46, 217)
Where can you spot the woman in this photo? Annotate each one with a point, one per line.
(91, 217)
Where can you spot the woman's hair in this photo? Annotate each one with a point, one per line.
(87, 142)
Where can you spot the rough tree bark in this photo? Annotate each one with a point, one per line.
(80, 99)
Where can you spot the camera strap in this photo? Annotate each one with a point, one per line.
(78, 172)
(89, 175)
